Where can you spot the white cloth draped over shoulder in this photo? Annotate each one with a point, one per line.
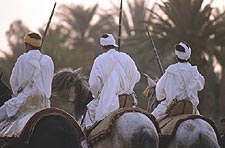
(180, 81)
(113, 73)
(34, 72)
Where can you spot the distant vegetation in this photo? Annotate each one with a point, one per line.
(74, 41)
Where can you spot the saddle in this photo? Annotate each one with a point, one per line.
(13, 126)
(103, 128)
(179, 107)
(168, 127)
(126, 100)
(178, 112)
(29, 127)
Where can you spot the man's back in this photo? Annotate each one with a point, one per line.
(118, 74)
(33, 71)
(114, 65)
(30, 80)
(113, 74)
(180, 81)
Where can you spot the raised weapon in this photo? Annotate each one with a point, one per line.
(155, 51)
(48, 24)
(120, 20)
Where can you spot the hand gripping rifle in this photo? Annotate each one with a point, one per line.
(155, 51)
(48, 24)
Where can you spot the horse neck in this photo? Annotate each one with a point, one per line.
(152, 101)
(72, 87)
(82, 97)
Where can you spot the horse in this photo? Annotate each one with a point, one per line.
(196, 132)
(131, 129)
(46, 128)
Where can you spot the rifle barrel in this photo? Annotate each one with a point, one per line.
(155, 51)
(120, 20)
(48, 24)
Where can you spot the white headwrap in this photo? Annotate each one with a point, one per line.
(184, 55)
(108, 41)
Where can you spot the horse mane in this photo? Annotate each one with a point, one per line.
(63, 82)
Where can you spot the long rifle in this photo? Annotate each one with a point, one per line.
(48, 24)
(120, 20)
(155, 51)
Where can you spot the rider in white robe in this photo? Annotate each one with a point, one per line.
(113, 73)
(31, 76)
(180, 81)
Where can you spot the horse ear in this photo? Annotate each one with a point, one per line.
(151, 82)
(77, 71)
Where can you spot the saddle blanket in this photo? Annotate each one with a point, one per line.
(169, 125)
(103, 128)
(12, 127)
(21, 127)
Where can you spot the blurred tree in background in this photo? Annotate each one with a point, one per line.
(74, 41)
(15, 35)
(202, 27)
(81, 32)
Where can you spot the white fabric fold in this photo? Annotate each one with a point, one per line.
(33, 71)
(108, 79)
(180, 81)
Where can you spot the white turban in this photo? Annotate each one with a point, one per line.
(108, 41)
(183, 55)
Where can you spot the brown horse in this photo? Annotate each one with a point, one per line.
(47, 128)
(131, 129)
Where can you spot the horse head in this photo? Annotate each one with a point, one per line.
(5, 91)
(71, 87)
(150, 93)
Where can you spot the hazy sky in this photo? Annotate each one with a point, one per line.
(34, 13)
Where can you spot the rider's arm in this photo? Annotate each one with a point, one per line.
(95, 80)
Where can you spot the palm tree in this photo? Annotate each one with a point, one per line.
(15, 36)
(190, 21)
(56, 46)
(220, 54)
(76, 21)
(83, 28)
(186, 20)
